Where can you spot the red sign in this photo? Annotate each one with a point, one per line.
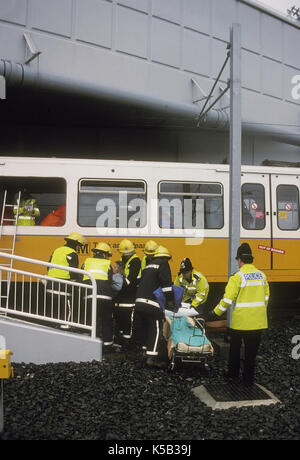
(268, 248)
(259, 215)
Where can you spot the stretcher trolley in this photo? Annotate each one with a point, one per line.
(187, 342)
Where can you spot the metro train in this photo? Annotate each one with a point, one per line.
(182, 206)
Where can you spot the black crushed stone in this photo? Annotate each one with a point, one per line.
(120, 399)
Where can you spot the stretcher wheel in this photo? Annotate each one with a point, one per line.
(172, 363)
(171, 367)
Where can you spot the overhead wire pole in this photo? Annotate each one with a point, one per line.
(234, 84)
(235, 146)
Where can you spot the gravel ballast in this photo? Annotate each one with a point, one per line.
(121, 399)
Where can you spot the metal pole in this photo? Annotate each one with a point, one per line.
(2, 347)
(235, 146)
(1, 407)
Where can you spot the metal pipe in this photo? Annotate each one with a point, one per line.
(203, 114)
(18, 75)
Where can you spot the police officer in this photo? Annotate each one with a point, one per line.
(67, 256)
(100, 267)
(156, 274)
(149, 250)
(125, 300)
(195, 285)
(246, 298)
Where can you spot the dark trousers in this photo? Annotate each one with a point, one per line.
(104, 322)
(251, 341)
(150, 321)
(123, 320)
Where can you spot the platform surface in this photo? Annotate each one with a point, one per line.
(227, 395)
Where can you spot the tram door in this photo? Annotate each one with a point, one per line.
(285, 222)
(256, 217)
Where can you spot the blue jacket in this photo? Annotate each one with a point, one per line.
(161, 299)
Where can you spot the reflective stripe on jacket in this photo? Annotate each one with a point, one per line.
(60, 257)
(143, 262)
(97, 267)
(156, 274)
(246, 297)
(127, 269)
(196, 291)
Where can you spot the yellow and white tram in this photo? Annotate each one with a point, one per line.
(182, 206)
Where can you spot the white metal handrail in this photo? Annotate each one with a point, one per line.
(47, 298)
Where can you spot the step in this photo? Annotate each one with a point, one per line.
(40, 344)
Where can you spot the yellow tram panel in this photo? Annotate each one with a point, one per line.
(209, 257)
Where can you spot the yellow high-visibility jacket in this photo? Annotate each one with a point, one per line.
(127, 277)
(196, 291)
(97, 267)
(60, 257)
(143, 262)
(246, 299)
(28, 211)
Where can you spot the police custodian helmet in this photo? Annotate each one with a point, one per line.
(244, 252)
(186, 265)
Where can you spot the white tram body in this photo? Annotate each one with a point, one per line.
(183, 206)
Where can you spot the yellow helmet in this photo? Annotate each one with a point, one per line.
(77, 237)
(150, 247)
(103, 247)
(161, 251)
(126, 247)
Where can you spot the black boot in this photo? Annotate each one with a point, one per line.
(108, 349)
(154, 361)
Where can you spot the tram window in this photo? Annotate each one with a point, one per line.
(115, 204)
(287, 207)
(49, 195)
(190, 205)
(253, 204)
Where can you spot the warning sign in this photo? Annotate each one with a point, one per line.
(259, 215)
(282, 215)
(268, 248)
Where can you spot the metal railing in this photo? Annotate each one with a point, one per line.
(48, 300)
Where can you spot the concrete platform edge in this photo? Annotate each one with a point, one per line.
(41, 345)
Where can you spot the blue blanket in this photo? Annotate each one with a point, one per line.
(183, 331)
(161, 298)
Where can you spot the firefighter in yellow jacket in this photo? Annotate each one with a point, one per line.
(245, 301)
(125, 300)
(26, 210)
(60, 297)
(67, 255)
(100, 267)
(195, 285)
(149, 251)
